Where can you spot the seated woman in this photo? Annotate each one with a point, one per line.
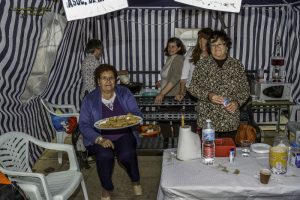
(108, 100)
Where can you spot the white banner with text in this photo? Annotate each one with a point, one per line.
(79, 9)
(221, 5)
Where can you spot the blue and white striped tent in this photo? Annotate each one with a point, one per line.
(133, 39)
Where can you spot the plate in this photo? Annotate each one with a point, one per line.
(150, 134)
(260, 148)
(118, 122)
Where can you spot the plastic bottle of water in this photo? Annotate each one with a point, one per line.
(208, 143)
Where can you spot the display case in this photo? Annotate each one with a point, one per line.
(170, 111)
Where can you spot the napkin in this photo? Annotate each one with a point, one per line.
(189, 146)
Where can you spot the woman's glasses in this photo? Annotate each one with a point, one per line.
(217, 45)
(104, 78)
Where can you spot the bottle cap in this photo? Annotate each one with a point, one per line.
(226, 102)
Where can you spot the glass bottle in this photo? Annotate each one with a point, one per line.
(279, 154)
(281, 139)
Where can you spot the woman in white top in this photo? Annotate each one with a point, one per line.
(196, 53)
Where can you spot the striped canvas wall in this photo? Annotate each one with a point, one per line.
(136, 37)
(134, 40)
(19, 38)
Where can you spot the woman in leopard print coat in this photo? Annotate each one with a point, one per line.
(220, 84)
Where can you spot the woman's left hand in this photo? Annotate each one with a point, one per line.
(216, 99)
(232, 107)
(106, 143)
(179, 97)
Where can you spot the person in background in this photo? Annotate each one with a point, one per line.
(169, 84)
(200, 51)
(220, 84)
(171, 71)
(107, 100)
(90, 63)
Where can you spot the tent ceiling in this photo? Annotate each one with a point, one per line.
(172, 3)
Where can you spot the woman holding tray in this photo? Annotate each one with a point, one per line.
(108, 100)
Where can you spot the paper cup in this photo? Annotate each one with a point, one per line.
(265, 175)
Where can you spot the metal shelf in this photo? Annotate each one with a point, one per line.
(169, 116)
(160, 112)
(168, 101)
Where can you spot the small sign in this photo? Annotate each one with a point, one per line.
(221, 5)
(79, 9)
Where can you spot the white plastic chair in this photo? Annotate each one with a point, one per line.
(68, 111)
(293, 125)
(14, 162)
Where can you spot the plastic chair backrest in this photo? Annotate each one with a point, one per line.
(15, 152)
(47, 107)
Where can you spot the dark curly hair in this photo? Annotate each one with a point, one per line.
(222, 36)
(203, 33)
(92, 45)
(179, 43)
(104, 68)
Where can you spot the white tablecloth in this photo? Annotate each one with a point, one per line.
(223, 180)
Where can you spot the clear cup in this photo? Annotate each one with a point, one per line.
(254, 97)
(260, 75)
(245, 145)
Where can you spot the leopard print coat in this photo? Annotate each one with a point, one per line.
(230, 81)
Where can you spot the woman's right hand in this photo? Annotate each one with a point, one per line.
(106, 143)
(179, 97)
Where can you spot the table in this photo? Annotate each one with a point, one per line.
(277, 105)
(193, 180)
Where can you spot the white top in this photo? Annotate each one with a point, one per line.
(188, 68)
(109, 102)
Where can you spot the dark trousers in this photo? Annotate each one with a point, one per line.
(125, 151)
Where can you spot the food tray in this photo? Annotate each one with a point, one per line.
(118, 122)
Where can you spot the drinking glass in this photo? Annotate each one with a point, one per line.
(245, 145)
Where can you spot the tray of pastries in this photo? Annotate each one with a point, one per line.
(118, 122)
